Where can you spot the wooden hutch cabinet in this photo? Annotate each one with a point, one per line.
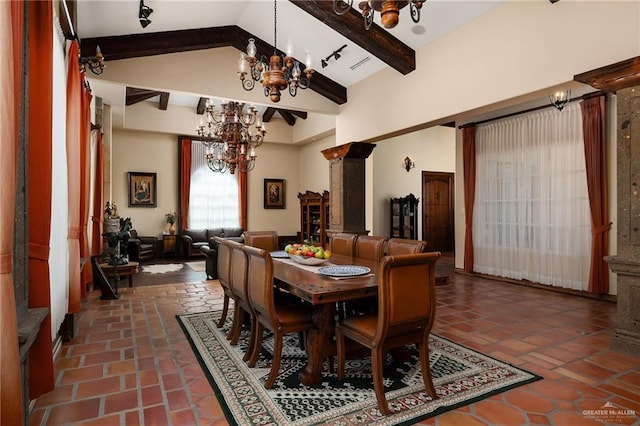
(314, 217)
(404, 217)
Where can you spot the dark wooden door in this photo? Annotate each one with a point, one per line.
(437, 211)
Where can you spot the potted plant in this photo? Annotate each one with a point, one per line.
(171, 219)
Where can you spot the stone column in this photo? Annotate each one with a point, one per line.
(347, 186)
(626, 264)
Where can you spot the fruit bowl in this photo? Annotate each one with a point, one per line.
(304, 260)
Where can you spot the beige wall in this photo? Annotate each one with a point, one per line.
(517, 48)
(145, 152)
(432, 150)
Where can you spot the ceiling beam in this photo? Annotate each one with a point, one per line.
(159, 43)
(288, 117)
(202, 102)
(268, 114)
(377, 41)
(135, 95)
(164, 101)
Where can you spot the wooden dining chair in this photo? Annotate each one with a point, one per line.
(406, 313)
(280, 319)
(242, 308)
(370, 247)
(266, 240)
(224, 276)
(397, 246)
(343, 243)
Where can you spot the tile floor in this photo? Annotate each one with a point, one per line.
(130, 364)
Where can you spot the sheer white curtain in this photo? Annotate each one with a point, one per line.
(213, 199)
(531, 218)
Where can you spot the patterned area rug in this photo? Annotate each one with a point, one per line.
(197, 266)
(461, 376)
(162, 268)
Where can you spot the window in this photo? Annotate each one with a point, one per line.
(213, 197)
(532, 219)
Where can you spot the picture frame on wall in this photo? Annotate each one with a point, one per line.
(142, 189)
(274, 194)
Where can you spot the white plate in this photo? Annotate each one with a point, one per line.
(344, 270)
(279, 254)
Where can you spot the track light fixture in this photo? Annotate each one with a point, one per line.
(335, 55)
(144, 13)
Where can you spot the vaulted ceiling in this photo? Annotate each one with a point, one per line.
(310, 25)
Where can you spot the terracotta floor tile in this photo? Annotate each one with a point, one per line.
(74, 411)
(97, 387)
(122, 401)
(156, 380)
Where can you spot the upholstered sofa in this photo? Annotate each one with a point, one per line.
(210, 252)
(194, 239)
(141, 248)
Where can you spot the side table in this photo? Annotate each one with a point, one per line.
(168, 244)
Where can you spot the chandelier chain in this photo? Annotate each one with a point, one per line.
(275, 27)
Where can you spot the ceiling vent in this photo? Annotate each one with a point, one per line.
(357, 64)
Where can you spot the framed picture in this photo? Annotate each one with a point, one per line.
(274, 194)
(142, 189)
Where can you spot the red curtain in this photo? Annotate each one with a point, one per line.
(593, 126)
(85, 186)
(10, 65)
(242, 194)
(74, 160)
(39, 181)
(185, 182)
(469, 167)
(98, 198)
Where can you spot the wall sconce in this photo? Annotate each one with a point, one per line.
(95, 63)
(143, 14)
(560, 99)
(408, 163)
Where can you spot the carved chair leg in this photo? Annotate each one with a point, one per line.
(377, 361)
(275, 363)
(225, 310)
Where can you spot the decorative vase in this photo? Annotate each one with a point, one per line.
(172, 229)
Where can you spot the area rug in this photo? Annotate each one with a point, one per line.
(162, 268)
(461, 376)
(197, 266)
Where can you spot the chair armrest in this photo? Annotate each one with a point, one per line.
(148, 240)
(187, 239)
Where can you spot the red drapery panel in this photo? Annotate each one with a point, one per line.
(185, 182)
(98, 197)
(10, 64)
(85, 187)
(593, 126)
(39, 181)
(74, 160)
(242, 193)
(469, 166)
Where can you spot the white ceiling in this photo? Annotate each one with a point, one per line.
(100, 18)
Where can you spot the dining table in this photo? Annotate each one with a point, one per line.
(323, 292)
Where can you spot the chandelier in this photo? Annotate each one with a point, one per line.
(282, 71)
(389, 10)
(231, 136)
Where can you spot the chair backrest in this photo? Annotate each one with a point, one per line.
(397, 246)
(238, 274)
(343, 243)
(260, 284)
(406, 295)
(266, 240)
(224, 262)
(370, 247)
